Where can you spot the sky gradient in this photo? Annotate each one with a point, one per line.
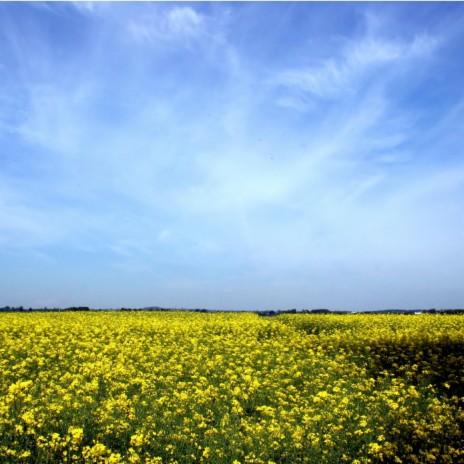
(232, 155)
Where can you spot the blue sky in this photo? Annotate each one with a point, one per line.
(232, 155)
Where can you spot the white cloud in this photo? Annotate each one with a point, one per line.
(342, 76)
(184, 21)
(178, 23)
(85, 7)
(53, 116)
(293, 102)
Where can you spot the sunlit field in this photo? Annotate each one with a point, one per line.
(167, 387)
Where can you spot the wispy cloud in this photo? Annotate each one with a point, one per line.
(53, 116)
(175, 23)
(85, 7)
(343, 75)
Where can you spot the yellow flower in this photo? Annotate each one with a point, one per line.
(77, 434)
(137, 440)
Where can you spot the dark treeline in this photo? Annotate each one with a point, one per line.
(12, 309)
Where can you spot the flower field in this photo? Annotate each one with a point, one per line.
(184, 387)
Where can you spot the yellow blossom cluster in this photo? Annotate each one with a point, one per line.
(184, 387)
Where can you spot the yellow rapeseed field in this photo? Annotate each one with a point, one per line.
(180, 387)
